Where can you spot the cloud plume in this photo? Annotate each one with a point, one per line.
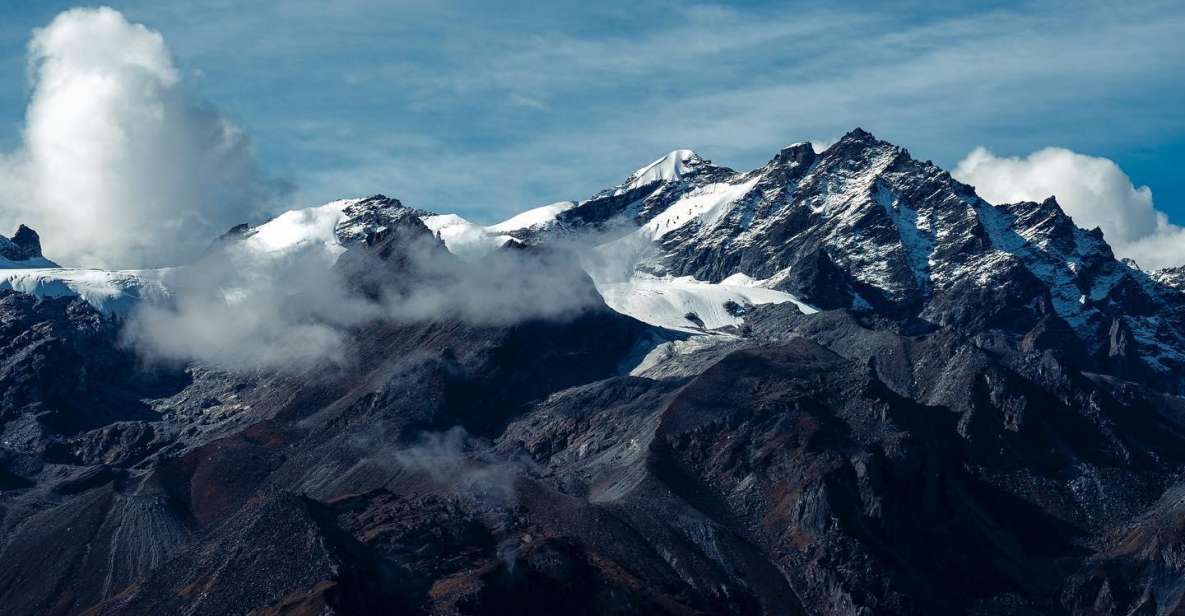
(1093, 190)
(120, 166)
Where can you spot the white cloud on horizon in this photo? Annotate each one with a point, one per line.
(1093, 190)
(119, 166)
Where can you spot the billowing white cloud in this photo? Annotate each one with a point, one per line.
(1092, 190)
(120, 167)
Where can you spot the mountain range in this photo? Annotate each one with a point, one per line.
(841, 383)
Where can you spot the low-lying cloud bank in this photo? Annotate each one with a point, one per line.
(238, 311)
(1093, 190)
(120, 166)
(241, 309)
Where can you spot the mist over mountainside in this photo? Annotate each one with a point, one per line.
(840, 383)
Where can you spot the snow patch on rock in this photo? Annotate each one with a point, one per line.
(707, 206)
(532, 218)
(33, 263)
(297, 229)
(670, 302)
(462, 237)
(114, 293)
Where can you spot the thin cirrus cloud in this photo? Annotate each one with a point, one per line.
(119, 165)
(1092, 190)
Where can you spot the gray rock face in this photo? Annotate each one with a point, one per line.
(984, 419)
(24, 248)
(28, 241)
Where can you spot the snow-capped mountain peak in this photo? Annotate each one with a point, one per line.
(328, 230)
(333, 226)
(666, 169)
(864, 226)
(861, 226)
(298, 228)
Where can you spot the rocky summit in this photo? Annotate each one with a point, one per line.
(839, 384)
(22, 250)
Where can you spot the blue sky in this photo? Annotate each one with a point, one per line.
(486, 110)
